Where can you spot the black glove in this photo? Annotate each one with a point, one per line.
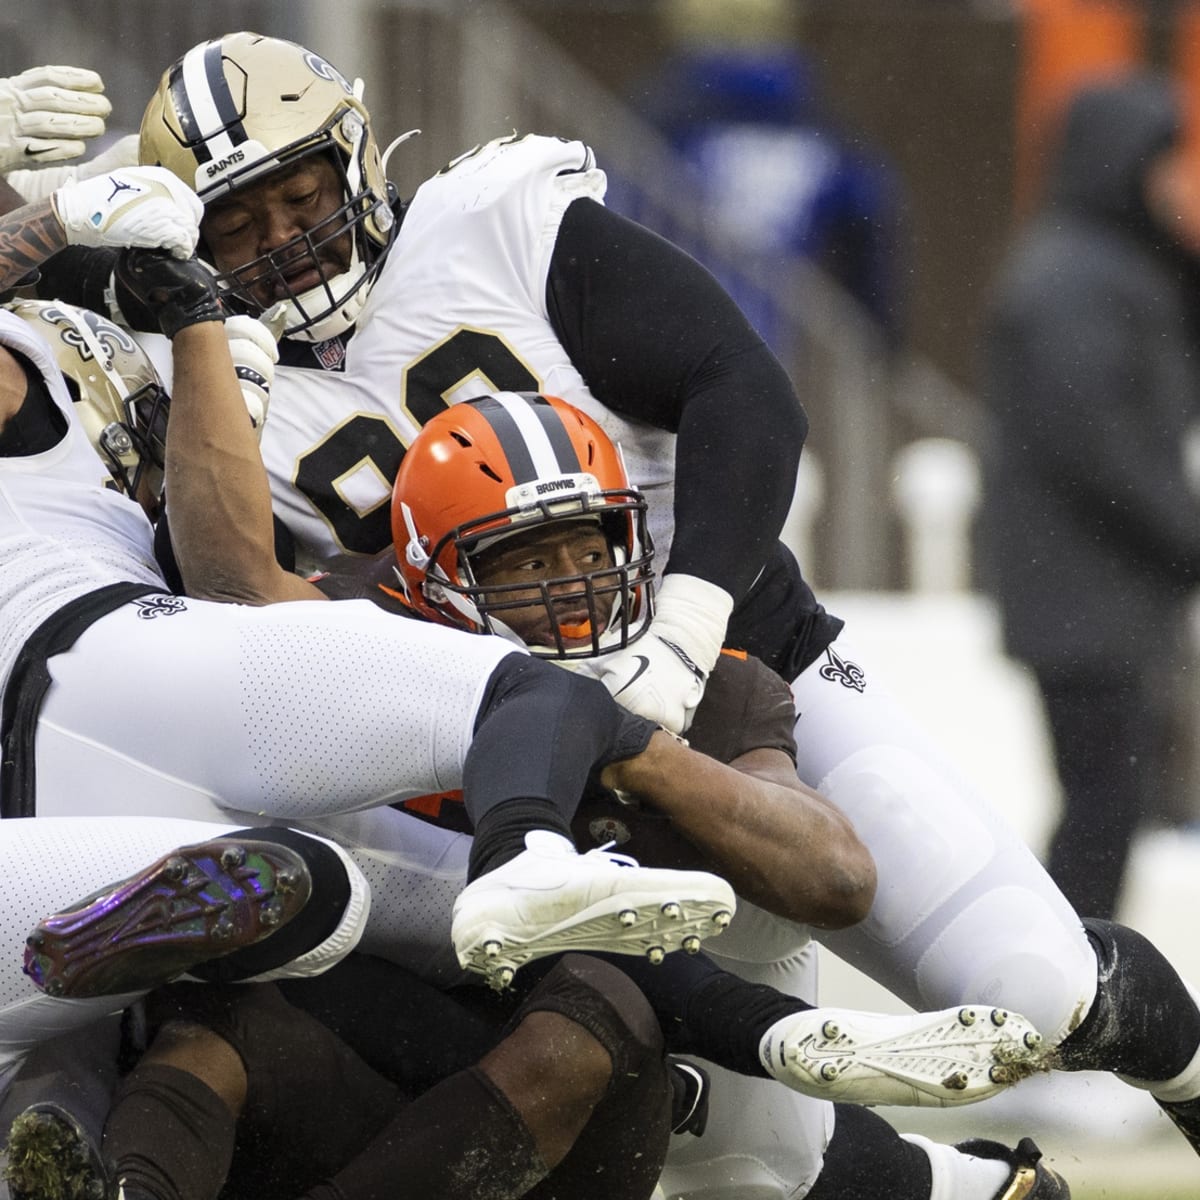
(180, 292)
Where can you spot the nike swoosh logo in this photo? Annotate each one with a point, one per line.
(643, 667)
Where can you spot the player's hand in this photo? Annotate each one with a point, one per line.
(38, 184)
(47, 112)
(662, 675)
(180, 292)
(253, 346)
(136, 206)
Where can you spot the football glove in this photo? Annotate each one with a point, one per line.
(179, 292)
(37, 185)
(662, 675)
(253, 346)
(46, 112)
(136, 206)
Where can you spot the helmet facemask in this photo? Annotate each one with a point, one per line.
(609, 607)
(334, 305)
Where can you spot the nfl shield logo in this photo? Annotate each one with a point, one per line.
(331, 353)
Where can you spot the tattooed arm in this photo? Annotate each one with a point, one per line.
(135, 206)
(28, 236)
(10, 198)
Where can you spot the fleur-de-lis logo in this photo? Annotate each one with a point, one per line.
(840, 670)
(159, 606)
(111, 337)
(318, 66)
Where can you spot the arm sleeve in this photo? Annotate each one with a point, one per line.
(657, 339)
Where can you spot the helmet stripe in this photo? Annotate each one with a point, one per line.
(532, 435)
(208, 115)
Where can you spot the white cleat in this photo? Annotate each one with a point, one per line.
(932, 1060)
(550, 900)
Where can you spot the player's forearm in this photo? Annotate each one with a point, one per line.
(783, 848)
(28, 236)
(218, 495)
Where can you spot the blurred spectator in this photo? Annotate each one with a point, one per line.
(775, 175)
(1091, 531)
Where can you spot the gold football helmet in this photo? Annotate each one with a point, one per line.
(234, 109)
(119, 397)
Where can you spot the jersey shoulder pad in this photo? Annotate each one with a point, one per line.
(487, 173)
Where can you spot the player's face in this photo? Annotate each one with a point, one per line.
(549, 555)
(264, 217)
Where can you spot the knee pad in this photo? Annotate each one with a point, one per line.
(1143, 1022)
(606, 1002)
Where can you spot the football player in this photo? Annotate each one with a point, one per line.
(244, 1093)
(224, 405)
(67, 532)
(506, 271)
(305, 709)
(513, 516)
(753, 821)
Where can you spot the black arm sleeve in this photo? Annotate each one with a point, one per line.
(84, 276)
(657, 339)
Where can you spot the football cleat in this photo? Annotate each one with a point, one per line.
(49, 1156)
(932, 1060)
(551, 900)
(195, 904)
(1031, 1179)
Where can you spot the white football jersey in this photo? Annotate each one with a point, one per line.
(64, 531)
(458, 310)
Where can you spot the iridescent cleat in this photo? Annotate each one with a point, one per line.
(195, 904)
(549, 900)
(932, 1060)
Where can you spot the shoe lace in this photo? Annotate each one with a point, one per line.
(617, 860)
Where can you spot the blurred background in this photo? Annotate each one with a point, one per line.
(853, 171)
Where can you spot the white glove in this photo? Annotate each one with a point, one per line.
(37, 185)
(662, 675)
(136, 206)
(253, 346)
(46, 112)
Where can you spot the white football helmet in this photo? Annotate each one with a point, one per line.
(119, 397)
(234, 109)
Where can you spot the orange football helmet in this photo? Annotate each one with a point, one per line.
(498, 466)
